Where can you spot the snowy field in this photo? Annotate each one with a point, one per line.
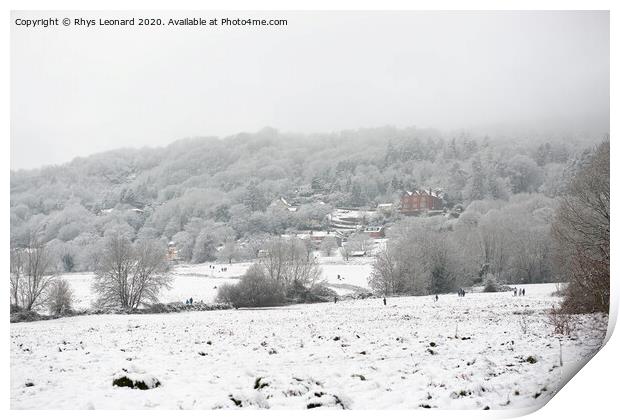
(200, 282)
(484, 350)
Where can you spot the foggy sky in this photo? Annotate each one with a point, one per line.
(77, 91)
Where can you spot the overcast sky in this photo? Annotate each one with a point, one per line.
(77, 91)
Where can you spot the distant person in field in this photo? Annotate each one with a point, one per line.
(384, 301)
(335, 299)
(191, 301)
(523, 292)
(515, 292)
(436, 298)
(187, 301)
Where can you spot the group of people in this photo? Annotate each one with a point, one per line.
(222, 269)
(461, 292)
(520, 291)
(190, 301)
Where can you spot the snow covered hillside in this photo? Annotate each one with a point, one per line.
(483, 350)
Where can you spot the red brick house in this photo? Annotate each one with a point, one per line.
(414, 202)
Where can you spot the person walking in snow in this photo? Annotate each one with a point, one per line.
(191, 301)
(436, 298)
(384, 301)
(335, 299)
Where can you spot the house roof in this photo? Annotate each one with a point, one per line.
(432, 192)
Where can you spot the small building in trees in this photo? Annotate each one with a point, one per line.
(419, 201)
(285, 204)
(385, 208)
(375, 232)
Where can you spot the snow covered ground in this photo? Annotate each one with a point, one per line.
(200, 281)
(483, 350)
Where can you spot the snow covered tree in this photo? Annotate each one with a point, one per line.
(476, 188)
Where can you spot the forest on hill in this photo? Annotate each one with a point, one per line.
(203, 193)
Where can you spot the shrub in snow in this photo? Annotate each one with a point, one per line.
(251, 400)
(135, 380)
(321, 399)
(561, 321)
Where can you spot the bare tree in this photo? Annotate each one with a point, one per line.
(581, 233)
(386, 276)
(32, 273)
(60, 298)
(16, 273)
(229, 251)
(355, 242)
(288, 263)
(128, 275)
(400, 268)
(328, 245)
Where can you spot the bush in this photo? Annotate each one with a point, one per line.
(490, 284)
(561, 321)
(157, 308)
(315, 294)
(26, 316)
(254, 289)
